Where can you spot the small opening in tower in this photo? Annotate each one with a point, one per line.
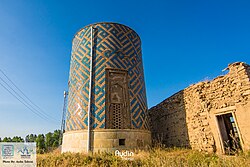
(121, 142)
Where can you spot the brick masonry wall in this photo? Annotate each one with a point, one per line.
(186, 119)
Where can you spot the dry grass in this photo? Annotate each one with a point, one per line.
(155, 157)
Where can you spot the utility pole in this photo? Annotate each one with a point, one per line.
(65, 95)
(90, 91)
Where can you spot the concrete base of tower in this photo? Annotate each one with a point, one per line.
(106, 140)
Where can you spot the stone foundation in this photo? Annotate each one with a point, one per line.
(106, 140)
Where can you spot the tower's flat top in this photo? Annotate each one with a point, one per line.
(93, 24)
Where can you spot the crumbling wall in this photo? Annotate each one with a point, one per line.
(168, 122)
(187, 118)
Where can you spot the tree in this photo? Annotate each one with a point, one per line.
(17, 139)
(44, 143)
(7, 139)
(52, 140)
(40, 143)
(30, 138)
(49, 140)
(57, 138)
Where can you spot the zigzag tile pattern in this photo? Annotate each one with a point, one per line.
(115, 46)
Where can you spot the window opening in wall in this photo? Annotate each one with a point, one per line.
(117, 116)
(139, 143)
(229, 133)
(121, 142)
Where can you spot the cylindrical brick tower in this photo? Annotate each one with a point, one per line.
(107, 105)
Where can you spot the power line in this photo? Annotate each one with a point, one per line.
(23, 101)
(41, 111)
(20, 97)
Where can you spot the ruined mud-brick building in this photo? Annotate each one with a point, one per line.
(212, 116)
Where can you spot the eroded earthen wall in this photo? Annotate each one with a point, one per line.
(188, 117)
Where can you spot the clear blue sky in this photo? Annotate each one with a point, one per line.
(183, 42)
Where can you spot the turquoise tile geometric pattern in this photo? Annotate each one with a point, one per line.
(115, 46)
